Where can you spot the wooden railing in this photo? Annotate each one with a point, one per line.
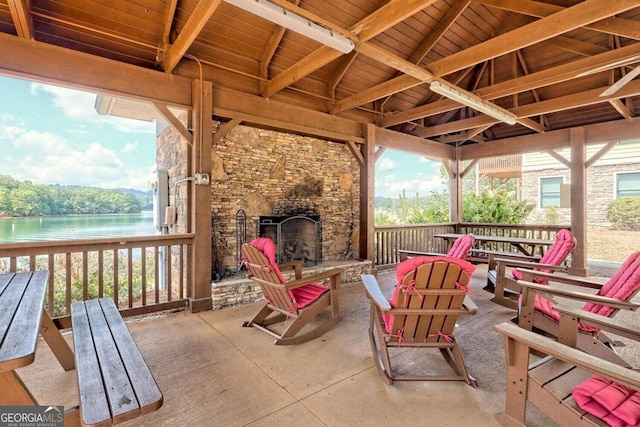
(390, 239)
(141, 274)
(410, 237)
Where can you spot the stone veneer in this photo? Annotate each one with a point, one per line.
(601, 185)
(268, 173)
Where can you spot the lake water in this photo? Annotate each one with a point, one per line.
(75, 227)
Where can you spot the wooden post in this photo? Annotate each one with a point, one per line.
(199, 221)
(579, 200)
(367, 196)
(455, 189)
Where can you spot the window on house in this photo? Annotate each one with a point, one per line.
(627, 184)
(550, 192)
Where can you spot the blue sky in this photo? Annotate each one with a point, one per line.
(53, 135)
(396, 170)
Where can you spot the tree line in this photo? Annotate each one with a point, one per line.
(24, 198)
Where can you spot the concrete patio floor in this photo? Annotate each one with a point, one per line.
(213, 372)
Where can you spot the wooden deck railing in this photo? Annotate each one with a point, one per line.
(410, 237)
(420, 237)
(141, 274)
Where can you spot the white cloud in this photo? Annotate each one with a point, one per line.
(46, 158)
(386, 164)
(129, 147)
(389, 186)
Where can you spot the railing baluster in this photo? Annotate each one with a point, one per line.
(143, 274)
(130, 275)
(85, 274)
(116, 290)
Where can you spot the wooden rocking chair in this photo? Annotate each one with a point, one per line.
(296, 302)
(430, 294)
(506, 289)
(538, 313)
(572, 387)
(460, 249)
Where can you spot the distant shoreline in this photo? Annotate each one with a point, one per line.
(53, 216)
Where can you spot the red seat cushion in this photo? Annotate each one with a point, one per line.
(622, 286)
(461, 246)
(302, 296)
(563, 243)
(408, 266)
(612, 402)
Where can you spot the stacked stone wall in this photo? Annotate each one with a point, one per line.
(601, 181)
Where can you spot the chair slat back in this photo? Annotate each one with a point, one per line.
(437, 290)
(623, 285)
(260, 268)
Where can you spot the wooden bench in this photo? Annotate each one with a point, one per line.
(114, 381)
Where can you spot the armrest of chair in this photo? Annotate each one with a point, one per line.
(569, 280)
(505, 257)
(516, 336)
(528, 264)
(570, 316)
(374, 293)
(572, 294)
(333, 274)
(292, 265)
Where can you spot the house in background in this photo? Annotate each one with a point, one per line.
(613, 172)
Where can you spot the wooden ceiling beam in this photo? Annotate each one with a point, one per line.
(167, 24)
(612, 25)
(378, 54)
(575, 46)
(543, 29)
(550, 26)
(174, 122)
(531, 81)
(436, 34)
(21, 16)
(619, 130)
(621, 108)
(57, 65)
(272, 46)
(196, 22)
(402, 142)
(224, 130)
(269, 113)
(538, 108)
(387, 16)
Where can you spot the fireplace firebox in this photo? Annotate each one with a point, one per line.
(297, 237)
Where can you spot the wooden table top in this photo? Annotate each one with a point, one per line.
(498, 239)
(21, 301)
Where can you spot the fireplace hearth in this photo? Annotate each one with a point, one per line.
(297, 237)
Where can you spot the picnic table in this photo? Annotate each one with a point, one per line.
(525, 246)
(22, 320)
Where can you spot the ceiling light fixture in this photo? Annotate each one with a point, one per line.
(296, 23)
(620, 63)
(473, 101)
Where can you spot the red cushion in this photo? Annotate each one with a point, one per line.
(612, 402)
(268, 248)
(623, 285)
(562, 244)
(461, 247)
(409, 266)
(305, 295)
(302, 296)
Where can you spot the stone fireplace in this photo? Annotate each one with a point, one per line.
(297, 237)
(275, 176)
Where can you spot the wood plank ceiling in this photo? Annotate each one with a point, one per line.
(547, 62)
